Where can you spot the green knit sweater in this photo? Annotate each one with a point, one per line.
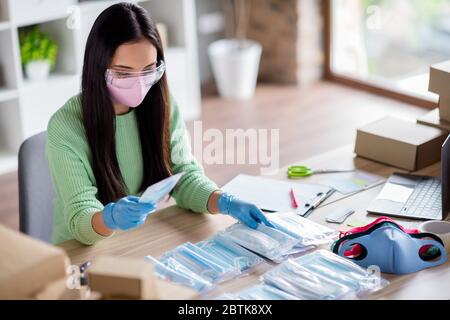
(68, 156)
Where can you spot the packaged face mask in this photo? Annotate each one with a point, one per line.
(306, 231)
(228, 296)
(389, 247)
(227, 270)
(265, 292)
(174, 271)
(342, 271)
(265, 241)
(230, 253)
(303, 284)
(158, 191)
(201, 263)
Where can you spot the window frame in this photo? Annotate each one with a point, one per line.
(375, 87)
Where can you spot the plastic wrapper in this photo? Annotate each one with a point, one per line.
(173, 271)
(343, 271)
(202, 263)
(265, 241)
(265, 292)
(309, 233)
(230, 253)
(303, 284)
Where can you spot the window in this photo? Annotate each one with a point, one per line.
(389, 44)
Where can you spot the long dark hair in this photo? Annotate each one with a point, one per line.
(122, 23)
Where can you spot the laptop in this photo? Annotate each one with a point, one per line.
(417, 197)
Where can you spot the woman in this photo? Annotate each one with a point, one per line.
(123, 133)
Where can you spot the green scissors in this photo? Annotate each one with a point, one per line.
(304, 171)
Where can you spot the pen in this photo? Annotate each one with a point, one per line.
(294, 200)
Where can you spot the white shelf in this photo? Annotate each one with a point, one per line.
(54, 78)
(8, 94)
(29, 12)
(4, 25)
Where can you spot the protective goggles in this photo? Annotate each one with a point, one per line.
(128, 79)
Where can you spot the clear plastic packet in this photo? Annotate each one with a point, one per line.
(306, 231)
(303, 284)
(201, 263)
(265, 241)
(230, 253)
(228, 270)
(227, 296)
(299, 249)
(343, 271)
(173, 271)
(265, 292)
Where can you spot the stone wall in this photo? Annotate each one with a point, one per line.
(290, 32)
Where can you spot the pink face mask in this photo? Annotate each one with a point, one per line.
(130, 88)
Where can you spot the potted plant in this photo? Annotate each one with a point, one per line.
(38, 53)
(235, 60)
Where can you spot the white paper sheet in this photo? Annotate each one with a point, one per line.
(271, 194)
(395, 192)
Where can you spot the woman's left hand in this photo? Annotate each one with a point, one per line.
(243, 211)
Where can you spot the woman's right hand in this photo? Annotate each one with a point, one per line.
(127, 213)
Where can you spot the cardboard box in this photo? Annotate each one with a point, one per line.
(400, 143)
(58, 290)
(440, 84)
(28, 265)
(432, 119)
(127, 278)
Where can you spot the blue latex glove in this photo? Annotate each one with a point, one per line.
(127, 213)
(243, 211)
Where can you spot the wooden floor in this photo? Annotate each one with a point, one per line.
(311, 121)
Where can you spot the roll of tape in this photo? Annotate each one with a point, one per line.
(439, 228)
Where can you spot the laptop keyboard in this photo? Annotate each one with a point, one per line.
(425, 201)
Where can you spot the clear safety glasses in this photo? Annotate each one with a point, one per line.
(128, 79)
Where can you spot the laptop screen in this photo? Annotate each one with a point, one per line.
(445, 163)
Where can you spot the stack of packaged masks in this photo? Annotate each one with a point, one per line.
(391, 247)
(239, 248)
(320, 275)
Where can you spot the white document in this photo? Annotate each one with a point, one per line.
(395, 192)
(158, 191)
(273, 195)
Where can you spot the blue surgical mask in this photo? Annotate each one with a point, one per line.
(265, 292)
(298, 281)
(200, 262)
(392, 250)
(342, 271)
(230, 253)
(265, 241)
(174, 271)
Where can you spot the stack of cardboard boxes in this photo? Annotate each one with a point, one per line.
(406, 144)
(439, 84)
(32, 269)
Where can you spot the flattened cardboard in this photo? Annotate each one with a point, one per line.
(28, 265)
(440, 84)
(444, 107)
(440, 78)
(432, 119)
(400, 143)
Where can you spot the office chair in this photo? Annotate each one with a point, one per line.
(36, 192)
